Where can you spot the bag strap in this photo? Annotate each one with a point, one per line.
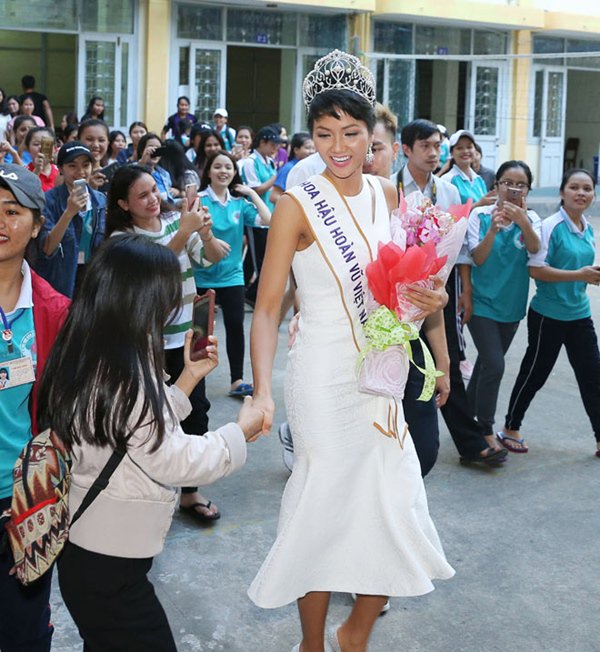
(100, 483)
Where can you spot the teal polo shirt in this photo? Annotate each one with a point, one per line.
(563, 247)
(229, 220)
(15, 419)
(469, 188)
(501, 283)
(257, 169)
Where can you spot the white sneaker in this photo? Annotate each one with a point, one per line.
(285, 437)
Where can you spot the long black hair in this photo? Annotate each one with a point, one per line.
(177, 164)
(118, 219)
(200, 153)
(88, 113)
(237, 179)
(511, 165)
(103, 378)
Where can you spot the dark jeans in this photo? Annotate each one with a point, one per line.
(421, 416)
(113, 603)
(492, 340)
(197, 422)
(24, 610)
(257, 238)
(466, 433)
(231, 300)
(545, 338)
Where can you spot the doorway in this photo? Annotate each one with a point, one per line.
(582, 128)
(253, 85)
(441, 92)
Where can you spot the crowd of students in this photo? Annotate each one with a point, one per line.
(87, 216)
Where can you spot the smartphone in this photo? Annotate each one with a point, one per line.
(159, 151)
(109, 170)
(80, 187)
(47, 148)
(191, 193)
(202, 324)
(514, 196)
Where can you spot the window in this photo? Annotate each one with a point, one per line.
(322, 31)
(107, 16)
(431, 39)
(262, 27)
(489, 42)
(39, 14)
(393, 38)
(202, 23)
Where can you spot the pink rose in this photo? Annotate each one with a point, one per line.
(384, 372)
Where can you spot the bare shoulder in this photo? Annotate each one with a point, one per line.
(290, 221)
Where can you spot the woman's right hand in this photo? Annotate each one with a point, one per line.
(250, 420)
(97, 180)
(194, 218)
(265, 404)
(590, 274)
(147, 154)
(76, 203)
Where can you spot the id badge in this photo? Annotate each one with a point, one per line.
(16, 372)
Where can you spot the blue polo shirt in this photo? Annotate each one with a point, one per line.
(15, 419)
(563, 247)
(501, 283)
(468, 187)
(229, 220)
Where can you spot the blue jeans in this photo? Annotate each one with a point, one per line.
(24, 610)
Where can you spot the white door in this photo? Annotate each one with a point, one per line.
(104, 70)
(550, 93)
(484, 117)
(398, 79)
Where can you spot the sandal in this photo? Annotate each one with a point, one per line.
(506, 440)
(494, 457)
(243, 389)
(195, 514)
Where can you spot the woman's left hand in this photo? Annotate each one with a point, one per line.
(199, 369)
(514, 213)
(428, 300)
(243, 189)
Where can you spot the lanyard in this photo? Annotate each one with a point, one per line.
(7, 334)
(401, 186)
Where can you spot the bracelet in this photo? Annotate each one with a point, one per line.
(212, 235)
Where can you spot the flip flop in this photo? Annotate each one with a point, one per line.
(191, 511)
(495, 458)
(505, 441)
(243, 389)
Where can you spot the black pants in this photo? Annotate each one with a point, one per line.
(545, 338)
(197, 422)
(467, 434)
(113, 603)
(421, 416)
(257, 237)
(231, 300)
(24, 610)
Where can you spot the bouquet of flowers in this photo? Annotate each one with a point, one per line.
(425, 243)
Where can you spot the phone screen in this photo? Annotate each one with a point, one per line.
(202, 324)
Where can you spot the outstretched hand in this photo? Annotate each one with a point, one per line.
(266, 405)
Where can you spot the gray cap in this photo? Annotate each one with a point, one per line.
(24, 185)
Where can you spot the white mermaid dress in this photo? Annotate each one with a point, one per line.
(354, 514)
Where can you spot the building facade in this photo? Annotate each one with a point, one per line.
(518, 73)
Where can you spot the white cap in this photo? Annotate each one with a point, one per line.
(461, 133)
(222, 112)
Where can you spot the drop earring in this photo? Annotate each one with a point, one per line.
(369, 157)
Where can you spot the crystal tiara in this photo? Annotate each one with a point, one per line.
(339, 70)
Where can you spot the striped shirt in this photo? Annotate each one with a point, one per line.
(182, 321)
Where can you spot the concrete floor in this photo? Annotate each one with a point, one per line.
(523, 540)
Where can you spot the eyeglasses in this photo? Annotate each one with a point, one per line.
(510, 184)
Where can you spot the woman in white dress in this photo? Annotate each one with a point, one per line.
(354, 513)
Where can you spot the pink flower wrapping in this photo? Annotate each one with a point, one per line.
(384, 372)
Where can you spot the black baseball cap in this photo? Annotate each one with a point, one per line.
(267, 133)
(24, 185)
(72, 150)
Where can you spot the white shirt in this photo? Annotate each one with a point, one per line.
(446, 194)
(305, 168)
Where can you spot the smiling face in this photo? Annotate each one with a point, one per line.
(183, 107)
(78, 168)
(13, 106)
(96, 138)
(211, 145)
(342, 144)
(578, 193)
(97, 107)
(221, 172)
(463, 152)
(244, 138)
(17, 227)
(219, 120)
(143, 200)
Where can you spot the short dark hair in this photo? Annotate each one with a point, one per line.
(143, 141)
(28, 81)
(298, 139)
(137, 123)
(509, 165)
(93, 390)
(419, 129)
(332, 102)
(184, 97)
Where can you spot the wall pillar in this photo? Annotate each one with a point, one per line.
(157, 47)
(522, 44)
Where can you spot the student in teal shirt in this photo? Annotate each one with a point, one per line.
(501, 238)
(223, 193)
(560, 310)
